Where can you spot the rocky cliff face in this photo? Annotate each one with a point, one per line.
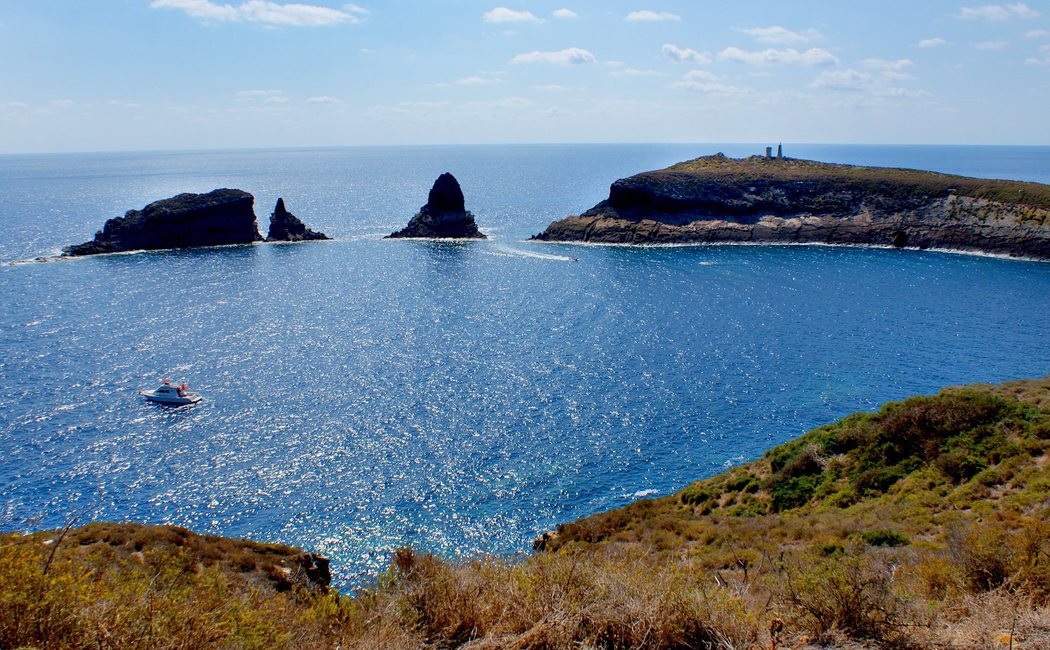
(444, 215)
(285, 226)
(217, 218)
(718, 199)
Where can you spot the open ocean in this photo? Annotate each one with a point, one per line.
(364, 394)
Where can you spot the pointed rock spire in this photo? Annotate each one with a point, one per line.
(444, 215)
(285, 226)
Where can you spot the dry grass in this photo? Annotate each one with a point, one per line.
(934, 558)
(888, 181)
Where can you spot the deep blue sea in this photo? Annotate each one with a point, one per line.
(364, 394)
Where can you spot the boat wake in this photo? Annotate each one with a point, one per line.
(506, 251)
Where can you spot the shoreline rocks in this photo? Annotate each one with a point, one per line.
(285, 226)
(218, 218)
(221, 217)
(444, 216)
(757, 200)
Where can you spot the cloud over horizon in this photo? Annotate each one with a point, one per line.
(505, 15)
(647, 16)
(814, 56)
(777, 35)
(684, 54)
(266, 12)
(568, 56)
(998, 13)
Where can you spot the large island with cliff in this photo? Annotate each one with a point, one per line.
(785, 200)
(222, 217)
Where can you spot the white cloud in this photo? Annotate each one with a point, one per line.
(635, 72)
(1045, 50)
(998, 13)
(990, 45)
(646, 16)
(477, 81)
(323, 99)
(706, 82)
(259, 93)
(264, 11)
(18, 105)
(777, 35)
(277, 99)
(812, 57)
(356, 9)
(866, 83)
(568, 56)
(699, 75)
(932, 42)
(504, 15)
(684, 54)
(843, 80)
(122, 104)
(564, 13)
(552, 88)
(883, 64)
(1036, 33)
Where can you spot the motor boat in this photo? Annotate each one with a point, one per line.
(169, 393)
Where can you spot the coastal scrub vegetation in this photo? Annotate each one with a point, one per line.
(899, 183)
(923, 525)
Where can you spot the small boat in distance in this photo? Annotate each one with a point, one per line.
(168, 393)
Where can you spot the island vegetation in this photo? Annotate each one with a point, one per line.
(925, 524)
(716, 199)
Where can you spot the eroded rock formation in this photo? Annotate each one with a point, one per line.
(217, 218)
(720, 199)
(285, 226)
(444, 215)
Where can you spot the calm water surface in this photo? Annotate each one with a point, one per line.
(364, 394)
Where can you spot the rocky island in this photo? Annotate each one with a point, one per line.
(285, 226)
(444, 216)
(786, 200)
(218, 218)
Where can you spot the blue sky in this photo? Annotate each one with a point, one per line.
(186, 74)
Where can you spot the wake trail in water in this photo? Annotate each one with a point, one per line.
(506, 251)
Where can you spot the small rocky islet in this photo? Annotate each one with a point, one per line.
(717, 199)
(221, 217)
(443, 217)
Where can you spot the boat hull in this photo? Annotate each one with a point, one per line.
(176, 401)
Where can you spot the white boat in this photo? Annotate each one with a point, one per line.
(168, 393)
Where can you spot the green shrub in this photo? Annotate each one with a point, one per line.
(885, 538)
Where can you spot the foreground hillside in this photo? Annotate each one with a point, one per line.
(924, 525)
(785, 200)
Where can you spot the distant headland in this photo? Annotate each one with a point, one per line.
(767, 199)
(218, 218)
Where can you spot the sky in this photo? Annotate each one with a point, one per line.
(115, 75)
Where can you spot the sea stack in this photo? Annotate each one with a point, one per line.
(285, 226)
(218, 218)
(444, 215)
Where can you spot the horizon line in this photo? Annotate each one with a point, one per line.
(247, 149)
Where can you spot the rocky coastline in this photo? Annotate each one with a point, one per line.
(716, 199)
(922, 524)
(221, 217)
(443, 217)
(285, 226)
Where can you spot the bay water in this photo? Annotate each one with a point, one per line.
(363, 394)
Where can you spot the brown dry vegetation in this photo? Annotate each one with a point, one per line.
(889, 181)
(925, 525)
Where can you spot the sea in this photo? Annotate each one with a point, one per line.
(364, 394)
